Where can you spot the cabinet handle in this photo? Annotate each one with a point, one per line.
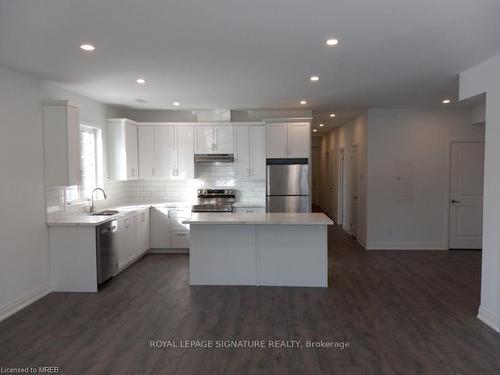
(152, 171)
(249, 171)
(181, 234)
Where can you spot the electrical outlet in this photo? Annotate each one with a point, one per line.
(389, 232)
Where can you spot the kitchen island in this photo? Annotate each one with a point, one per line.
(273, 249)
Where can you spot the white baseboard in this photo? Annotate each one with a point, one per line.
(361, 241)
(26, 299)
(488, 317)
(395, 245)
(168, 251)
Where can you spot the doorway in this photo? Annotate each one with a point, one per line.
(466, 195)
(340, 184)
(354, 191)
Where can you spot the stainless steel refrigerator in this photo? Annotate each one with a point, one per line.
(287, 185)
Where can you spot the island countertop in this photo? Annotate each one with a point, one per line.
(259, 218)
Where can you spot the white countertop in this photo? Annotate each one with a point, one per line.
(259, 218)
(83, 218)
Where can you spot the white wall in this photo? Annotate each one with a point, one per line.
(408, 175)
(485, 78)
(24, 252)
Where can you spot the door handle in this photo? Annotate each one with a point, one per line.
(454, 201)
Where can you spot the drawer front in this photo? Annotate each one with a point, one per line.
(180, 240)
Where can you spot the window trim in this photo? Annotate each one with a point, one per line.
(99, 161)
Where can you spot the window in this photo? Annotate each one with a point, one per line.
(90, 147)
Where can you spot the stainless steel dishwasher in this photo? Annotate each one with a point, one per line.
(107, 252)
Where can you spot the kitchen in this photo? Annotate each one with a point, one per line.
(193, 187)
(209, 159)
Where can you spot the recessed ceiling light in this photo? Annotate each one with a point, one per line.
(332, 42)
(315, 130)
(446, 101)
(140, 81)
(332, 115)
(87, 47)
(303, 102)
(314, 78)
(321, 125)
(176, 104)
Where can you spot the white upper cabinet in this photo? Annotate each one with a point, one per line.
(299, 139)
(146, 143)
(122, 150)
(250, 158)
(184, 152)
(164, 151)
(290, 140)
(204, 140)
(174, 155)
(223, 136)
(258, 152)
(214, 139)
(61, 138)
(276, 140)
(242, 151)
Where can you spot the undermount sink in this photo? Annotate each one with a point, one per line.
(105, 213)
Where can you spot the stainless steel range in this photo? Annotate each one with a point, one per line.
(215, 200)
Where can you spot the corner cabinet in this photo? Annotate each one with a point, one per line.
(249, 152)
(213, 139)
(122, 150)
(61, 141)
(288, 140)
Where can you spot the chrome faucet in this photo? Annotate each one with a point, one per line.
(92, 207)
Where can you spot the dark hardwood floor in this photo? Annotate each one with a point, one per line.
(403, 312)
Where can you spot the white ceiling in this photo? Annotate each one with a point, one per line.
(252, 54)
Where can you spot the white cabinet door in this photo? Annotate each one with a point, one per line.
(242, 168)
(223, 135)
(143, 244)
(204, 140)
(164, 151)
(61, 140)
(160, 228)
(298, 140)
(276, 140)
(258, 152)
(184, 152)
(122, 242)
(123, 163)
(131, 236)
(131, 151)
(146, 143)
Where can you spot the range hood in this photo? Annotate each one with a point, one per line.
(214, 158)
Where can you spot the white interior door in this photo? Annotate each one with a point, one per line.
(340, 185)
(315, 172)
(466, 195)
(354, 191)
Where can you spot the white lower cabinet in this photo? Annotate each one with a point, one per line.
(167, 230)
(143, 231)
(133, 237)
(127, 240)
